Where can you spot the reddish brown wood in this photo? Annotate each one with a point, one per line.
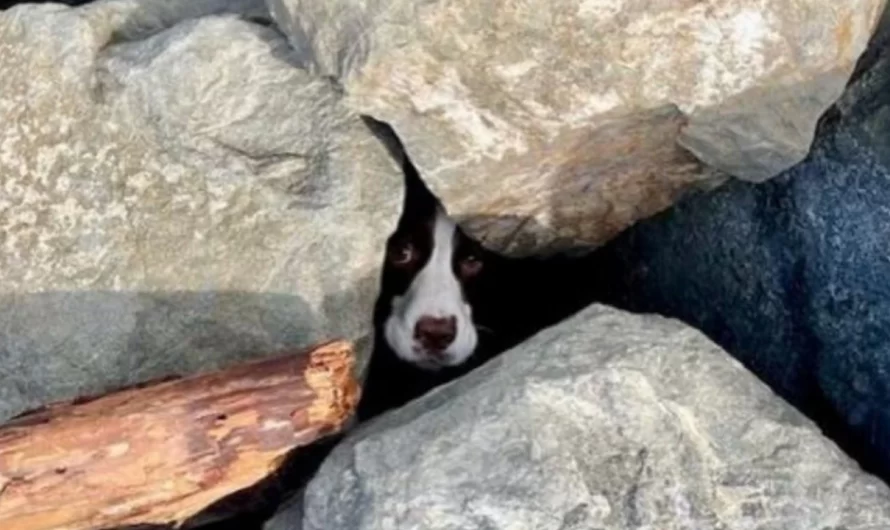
(162, 452)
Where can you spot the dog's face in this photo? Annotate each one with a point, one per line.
(430, 271)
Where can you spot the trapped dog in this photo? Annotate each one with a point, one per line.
(447, 304)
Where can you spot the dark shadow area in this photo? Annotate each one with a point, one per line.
(6, 4)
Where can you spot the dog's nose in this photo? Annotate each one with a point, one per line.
(435, 334)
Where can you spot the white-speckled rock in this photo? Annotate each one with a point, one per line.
(176, 194)
(608, 420)
(574, 111)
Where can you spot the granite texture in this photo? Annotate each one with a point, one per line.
(791, 276)
(584, 115)
(607, 420)
(176, 194)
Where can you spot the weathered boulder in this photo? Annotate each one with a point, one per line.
(176, 195)
(791, 276)
(608, 420)
(573, 112)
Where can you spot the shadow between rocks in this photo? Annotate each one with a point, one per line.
(6, 4)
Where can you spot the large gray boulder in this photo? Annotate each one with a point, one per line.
(608, 420)
(573, 112)
(177, 194)
(791, 276)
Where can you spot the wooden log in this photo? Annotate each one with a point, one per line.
(160, 453)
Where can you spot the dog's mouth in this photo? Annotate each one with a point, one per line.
(428, 365)
(431, 360)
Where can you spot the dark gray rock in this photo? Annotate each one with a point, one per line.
(791, 276)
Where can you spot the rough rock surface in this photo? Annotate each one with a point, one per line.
(175, 194)
(573, 111)
(791, 276)
(608, 420)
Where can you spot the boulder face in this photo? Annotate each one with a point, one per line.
(608, 420)
(176, 195)
(585, 114)
(791, 276)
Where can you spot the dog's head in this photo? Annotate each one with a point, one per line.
(431, 275)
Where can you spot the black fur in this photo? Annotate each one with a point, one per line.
(512, 298)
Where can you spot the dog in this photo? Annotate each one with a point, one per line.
(448, 304)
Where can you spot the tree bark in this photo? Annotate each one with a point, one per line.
(162, 452)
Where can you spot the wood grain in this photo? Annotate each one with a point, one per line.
(161, 452)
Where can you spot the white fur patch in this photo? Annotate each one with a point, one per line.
(435, 292)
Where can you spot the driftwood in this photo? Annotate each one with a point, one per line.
(160, 453)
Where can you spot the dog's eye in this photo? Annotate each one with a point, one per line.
(470, 265)
(402, 254)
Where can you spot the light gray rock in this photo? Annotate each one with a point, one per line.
(609, 420)
(176, 195)
(573, 111)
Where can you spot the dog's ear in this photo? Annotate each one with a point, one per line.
(418, 199)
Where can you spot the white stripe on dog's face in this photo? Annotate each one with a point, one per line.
(435, 292)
